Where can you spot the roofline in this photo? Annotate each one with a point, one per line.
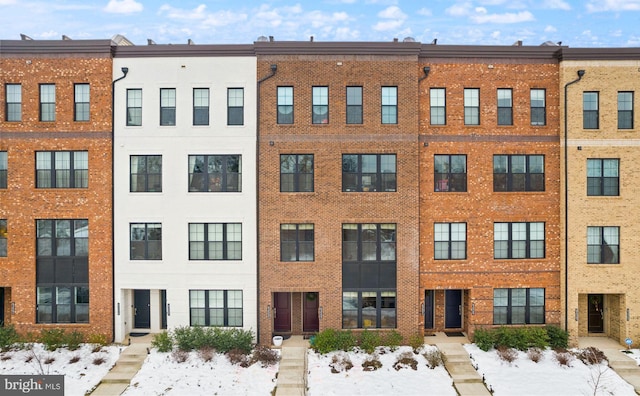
(491, 51)
(586, 54)
(394, 48)
(183, 50)
(55, 47)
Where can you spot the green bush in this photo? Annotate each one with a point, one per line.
(558, 338)
(484, 339)
(346, 341)
(393, 339)
(8, 337)
(162, 341)
(520, 338)
(325, 341)
(369, 340)
(222, 340)
(73, 340)
(52, 338)
(98, 339)
(416, 341)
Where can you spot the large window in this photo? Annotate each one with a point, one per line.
(368, 172)
(4, 166)
(354, 105)
(603, 177)
(285, 105)
(450, 241)
(134, 107)
(146, 241)
(368, 242)
(538, 107)
(235, 106)
(472, 106)
(47, 102)
(518, 240)
(215, 308)
(62, 169)
(215, 173)
(201, 106)
(296, 242)
(4, 233)
(320, 105)
(518, 173)
(625, 110)
(603, 245)
(167, 106)
(215, 241)
(146, 173)
(590, 110)
(450, 173)
(13, 99)
(368, 309)
(63, 304)
(505, 107)
(389, 108)
(438, 110)
(62, 238)
(81, 102)
(518, 306)
(296, 172)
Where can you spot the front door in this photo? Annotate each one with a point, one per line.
(142, 309)
(163, 298)
(310, 321)
(282, 312)
(453, 309)
(596, 313)
(1, 306)
(428, 309)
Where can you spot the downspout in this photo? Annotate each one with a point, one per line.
(566, 203)
(421, 293)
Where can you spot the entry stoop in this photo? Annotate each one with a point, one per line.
(292, 372)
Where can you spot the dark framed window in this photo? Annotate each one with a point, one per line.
(369, 309)
(590, 110)
(201, 106)
(438, 108)
(450, 172)
(389, 100)
(13, 98)
(625, 110)
(146, 241)
(505, 107)
(368, 242)
(62, 169)
(4, 233)
(518, 306)
(62, 304)
(538, 107)
(235, 106)
(134, 107)
(62, 238)
(603, 245)
(145, 173)
(285, 105)
(47, 102)
(450, 241)
(603, 177)
(167, 106)
(82, 101)
(215, 308)
(518, 173)
(518, 240)
(320, 105)
(354, 105)
(296, 242)
(215, 241)
(369, 172)
(215, 173)
(4, 166)
(296, 172)
(472, 106)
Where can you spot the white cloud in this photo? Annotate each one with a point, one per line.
(556, 5)
(459, 10)
(393, 18)
(392, 12)
(49, 34)
(123, 7)
(483, 17)
(424, 11)
(613, 5)
(550, 29)
(175, 13)
(223, 18)
(8, 2)
(346, 34)
(495, 35)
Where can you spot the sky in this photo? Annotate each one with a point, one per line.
(588, 23)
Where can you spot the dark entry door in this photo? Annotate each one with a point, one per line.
(282, 312)
(1, 306)
(142, 309)
(596, 313)
(163, 298)
(428, 309)
(310, 321)
(453, 309)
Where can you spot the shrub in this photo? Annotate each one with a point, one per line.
(371, 364)
(238, 356)
(345, 340)
(162, 341)
(434, 358)
(591, 355)
(180, 355)
(484, 339)
(206, 353)
(416, 342)
(74, 359)
(98, 339)
(393, 339)
(49, 360)
(8, 337)
(52, 338)
(186, 337)
(507, 354)
(558, 338)
(233, 339)
(5, 356)
(563, 358)
(535, 354)
(73, 340)
(334, 340)
(520, 338)
(222, 340)
(340, 363)
(98, 361)
(369, 340)
(406, 360)
(266, 356)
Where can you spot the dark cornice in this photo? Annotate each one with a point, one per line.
(182, 50)
(624, 53)
(336, 48)
(490, 51)
(13, 48)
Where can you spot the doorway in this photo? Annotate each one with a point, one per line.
(428, 309)
(282, 312)
(142, 309)
(596, 313)
(310, 319)
(452, 309)
(1, 306)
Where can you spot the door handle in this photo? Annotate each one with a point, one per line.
(275, 315)
(459, 309)
(135, 311)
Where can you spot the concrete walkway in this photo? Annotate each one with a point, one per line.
(292, 372)
(625, 366)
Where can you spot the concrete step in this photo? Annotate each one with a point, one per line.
(466, 389)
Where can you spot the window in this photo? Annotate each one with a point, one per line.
(62, 238)
(603, 245)
(518, 240)
(438, 106)
(62, 169)
(296, 242)
(368, 309)
(82, 99)
(215, 173)
(354, 105)
(472, 106)
(625, 110)
(450, 241)
(134, 107)
(389, 109)
(320, 105)
(368, 242)
(450, 173)
(215, 308)
(590, 115)
(47, 102)
(368, 172)
(296, 172)
(167, 106)
(603, 177)
(146, 173)
(14, 102)
(518, 173)
(538, 107)
(146, 241)
(285, 105)
(201, 106)
(518, 306)
(63, 304)
(4, 233)
(215, 241)
(235, 106)
(4, 165)
(505, 107)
